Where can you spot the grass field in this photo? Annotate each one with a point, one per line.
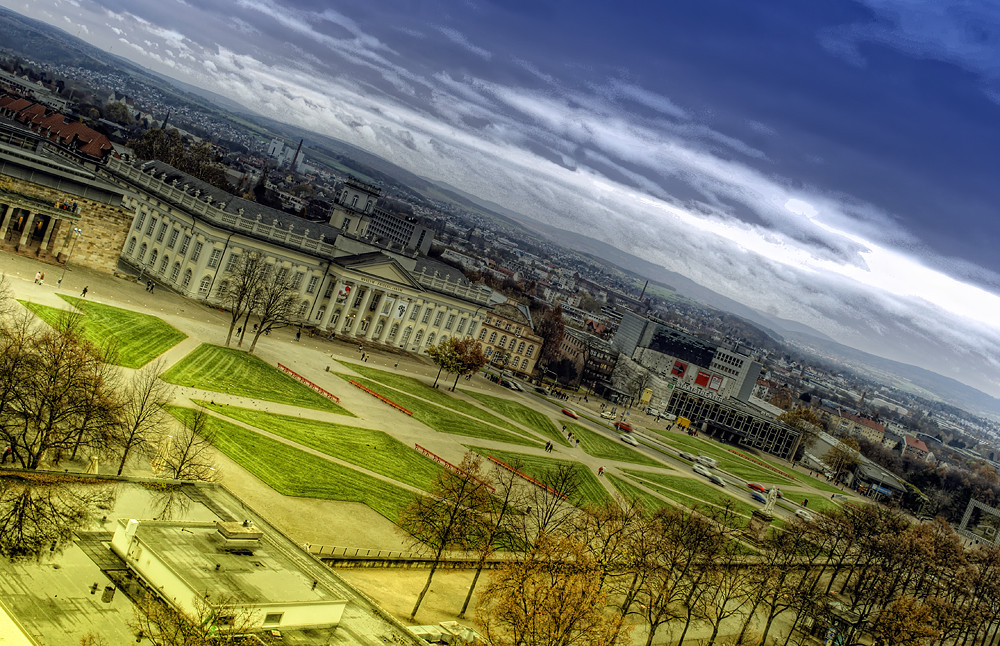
(234, 372)
(446, 420)
(591, 490)
(371, 449)
(292, 472)
(629, 490)
(416, 388)
(139, 338)
(597, 445)
(727, 461)
(693, 493)
(521, 414)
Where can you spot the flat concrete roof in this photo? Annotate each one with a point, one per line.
(198, 554)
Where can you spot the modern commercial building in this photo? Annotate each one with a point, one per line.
(672, 354)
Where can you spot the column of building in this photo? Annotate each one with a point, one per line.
(8, 214)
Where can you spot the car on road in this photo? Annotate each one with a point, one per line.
(686, 456)
(507, 383)
(570, 413)
(608, 414)
(624, 427)
(803, 514)
(756, 486)
(653, 412)
(759, 497)
(628, 439)
(702, 470)
(711, 463)
(716, 479)
(541, 391)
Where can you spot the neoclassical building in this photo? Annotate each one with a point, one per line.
(509, 340)
(188, 235)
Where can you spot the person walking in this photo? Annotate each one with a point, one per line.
(298, 335)
(41, 278)
(38, 276)
(84, 292)
(600, 471)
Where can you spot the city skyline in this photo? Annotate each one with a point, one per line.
(828, 165)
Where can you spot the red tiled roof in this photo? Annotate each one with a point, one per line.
(18, 105)
(864, 421)
(915, 443)
(30, 113)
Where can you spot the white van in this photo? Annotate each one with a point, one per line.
(711, 463)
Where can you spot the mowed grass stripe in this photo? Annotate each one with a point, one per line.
(591, 491)
(417, 388)
(293, 472)
(139, 338)
(234, 372)
(445, 420)
(690, 492)
(599, 446)
(727, 461)
(371, 449)
(518, 412)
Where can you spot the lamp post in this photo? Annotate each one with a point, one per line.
(76, 235)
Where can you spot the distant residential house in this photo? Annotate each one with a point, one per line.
(858, 426)
(914, 448)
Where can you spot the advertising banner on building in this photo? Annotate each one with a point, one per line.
(702, 379)
(399, 309)
(716, 382)
(679, 369)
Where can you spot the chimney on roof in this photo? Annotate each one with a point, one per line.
(295, 158)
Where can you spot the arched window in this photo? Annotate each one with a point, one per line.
(393, 331)
(142, 252)
(520, 348)
(203, 286)
(320, 313)
(406, 336)
(303, 307)
(131, 247)
(152, 257)
(493, 337)
(531, 350)
(187, 278)
(482, 334)
(164, 263)
(503, 340)
(430, 339)
(512, 342)
(419, 335)
(175, 272)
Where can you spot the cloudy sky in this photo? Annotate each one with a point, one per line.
(833, 163)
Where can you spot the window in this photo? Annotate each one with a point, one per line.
(281, 274)
(489, 352)
(131, 247)
(213, 260)
(152, 225)
(413, 313)
(303, 306)
(503, 340)
(354, 202)
(313, 281)
(512, 342)
(520, 348)
(419, 335)
(482, 334)
(187, 278)
(138, 223)
(427, 316)
(437, 318)
(461, 325)
(531, 350)
(297, 279)
(152, 257)
(173, 238)
(175, 271)
(231, 262)
(273, 619)
(203, 286)
(346, 225)
(198, 246)
(329, 290)
(449, 322)
(163, 263)
(184, 245)
(161, 232)
(493, 337)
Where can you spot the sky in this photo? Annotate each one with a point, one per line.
(832, 163)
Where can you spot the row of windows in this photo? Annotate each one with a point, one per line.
(503, 343)
(516, 363)
(505, 325)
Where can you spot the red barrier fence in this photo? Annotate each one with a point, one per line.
(382, 397)
(302, 379)
(760, 463)
(437, 458)
(527, 477)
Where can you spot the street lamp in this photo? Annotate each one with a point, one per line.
(76, 235)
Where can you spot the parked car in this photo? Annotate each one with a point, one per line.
(759, 497)
(756, 486)
(716, 479)
(711, 463)
(570, 413)
(542, 391)
(653, 412)
(803, 514)
(628, 439)
(686, 455)
(624, 427)
(702, 470)
(608, 415)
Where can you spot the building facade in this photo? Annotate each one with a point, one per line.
(189, 235)
(509, 341)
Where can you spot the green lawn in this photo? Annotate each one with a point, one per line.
(591, 490)
(417, 388)
(139, 338)
(629, 490)
(521, 414)
(727, 461)
(693, 493)
(446, 420)
(292, 472)
(599, 446)
(373, 450)
(234, 372)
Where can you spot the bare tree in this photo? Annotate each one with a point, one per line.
(274, 304)
(215, 621)
(241, 288)
(471, 358)
(188, 454)
(448, 519)
(141, 414)
(445, 356)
